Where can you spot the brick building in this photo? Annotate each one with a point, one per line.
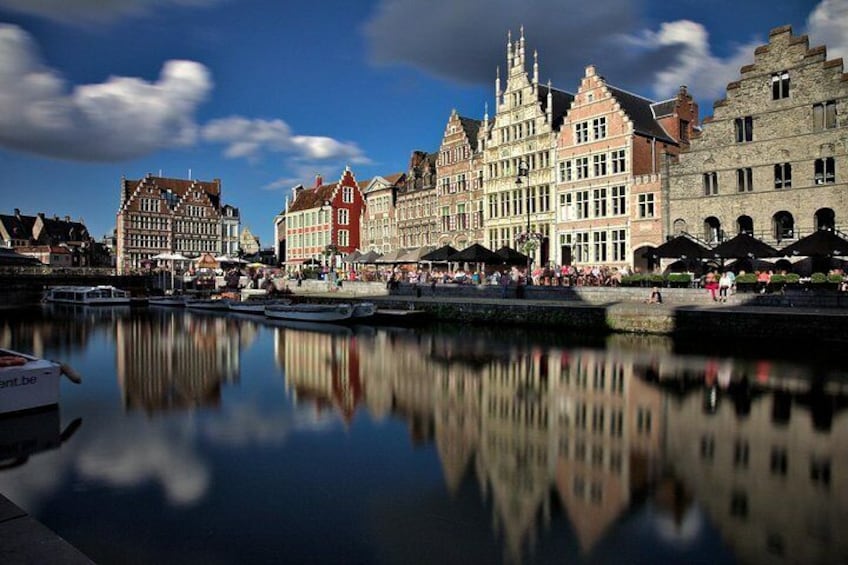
(324, 220)
(611, 154)
(163, 215)
(772, 160)
(459, 184)
(416, 203)
(59, 242)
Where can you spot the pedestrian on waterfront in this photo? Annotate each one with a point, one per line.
(724, 284)
(504, 282)
(656, 296)
(711, 284)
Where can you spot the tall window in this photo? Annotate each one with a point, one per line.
(599, 128)
(825, 171)
(619, 249)
(783, 175)
(582, 204)
(710, 184)
(581, 132)
(744, 129)
(344, 238)
(583, 168)
(744, 179)
(600, 244)
(780, 85)
(565, 171)
(824, 115)
(344, 216)
(347, 194)
(619, 200)
(600, 164)
(599, 197)
(646, 205)
(619, 164)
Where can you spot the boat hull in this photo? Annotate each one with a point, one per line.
(208, 304)
(256, 306)
(32, 384)
(311, 312)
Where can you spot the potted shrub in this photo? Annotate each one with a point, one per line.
(632, 280)
(655, 280)
(679, 280)
(746, 282)
(818, 278)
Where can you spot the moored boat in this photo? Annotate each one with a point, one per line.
(176, 301)
(310, 312)
(207, 304)
(363, 310)
(29, 382)
(87, 295)
(256, 305)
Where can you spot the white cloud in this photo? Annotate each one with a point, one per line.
(828, 25)
(94, 11)
(118, 119)
(694, 65)
(252, 138)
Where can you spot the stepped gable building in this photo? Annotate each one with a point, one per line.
(324, 220)
(230, 220)
(459, 180)
(772, 160)
(55, 241)
(379, 219)
(611, 155)
(417, 223)
(521, 140)
(164, 215)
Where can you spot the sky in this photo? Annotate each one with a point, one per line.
(265, 94)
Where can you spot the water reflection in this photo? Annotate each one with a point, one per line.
(586, 445)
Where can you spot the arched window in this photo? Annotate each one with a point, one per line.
(783, 225)
(679, 226)
(825, 219)
(712, 230)
(745, 224)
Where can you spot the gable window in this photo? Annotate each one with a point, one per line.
(344, 216)
(581, 132)
(825, 171)
(744, 179)
(710, 184)
(783, 175)
(599, 128)
(824, 115)
(347, 195)
(744, 128)
(780, 85)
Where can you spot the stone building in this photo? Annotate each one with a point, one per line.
(459, 184)
(163, 215)
(519, 145)
(379, 218)
(772, 160)
(230, 220)
(416, 203)
(248, 242)
(611, 153)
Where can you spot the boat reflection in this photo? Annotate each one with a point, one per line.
(24, 434)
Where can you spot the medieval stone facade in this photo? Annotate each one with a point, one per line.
(379, 220)
(772, 160)
(520, 146)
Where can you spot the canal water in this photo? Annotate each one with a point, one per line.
(211, 438)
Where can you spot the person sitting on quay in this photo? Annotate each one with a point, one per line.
(724, 284)
(763, 280)
(711, 284)
(656, 296)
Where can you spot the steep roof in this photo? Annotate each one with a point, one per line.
(179, 187)
(639, 110)
(64, 230)
(664, 108)
(18, 227)
(561, 103)
(310, 198)
(471, 128)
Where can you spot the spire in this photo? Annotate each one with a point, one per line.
(497, 86)
(535, 70)
(550, 108)
(509, 49)
(521, 47)
(486, 114)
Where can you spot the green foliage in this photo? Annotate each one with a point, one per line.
(679, 278)
(632, 280)
(834, 278)
(747, 278)
(656, 278)
(818, 278)
(793, 278)
(778, 279)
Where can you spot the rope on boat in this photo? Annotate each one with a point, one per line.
(69, 372)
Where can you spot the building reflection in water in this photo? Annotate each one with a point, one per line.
(586, 432)
(174, 360)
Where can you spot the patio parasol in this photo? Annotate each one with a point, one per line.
(476, 253)
(743, 245)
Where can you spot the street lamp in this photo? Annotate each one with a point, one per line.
(528, 240)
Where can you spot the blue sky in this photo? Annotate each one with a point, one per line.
(264, 94)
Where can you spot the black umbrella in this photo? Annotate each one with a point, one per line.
(476, 253)
(743, 245)
(439, 255)
(681, 247)
(369, 257)
(511, 256)
(821, 243)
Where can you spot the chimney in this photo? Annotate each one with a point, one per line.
(319, 180)
(684, 90)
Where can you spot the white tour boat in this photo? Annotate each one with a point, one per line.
(29, 382)
(311, 312)
(87, 295)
